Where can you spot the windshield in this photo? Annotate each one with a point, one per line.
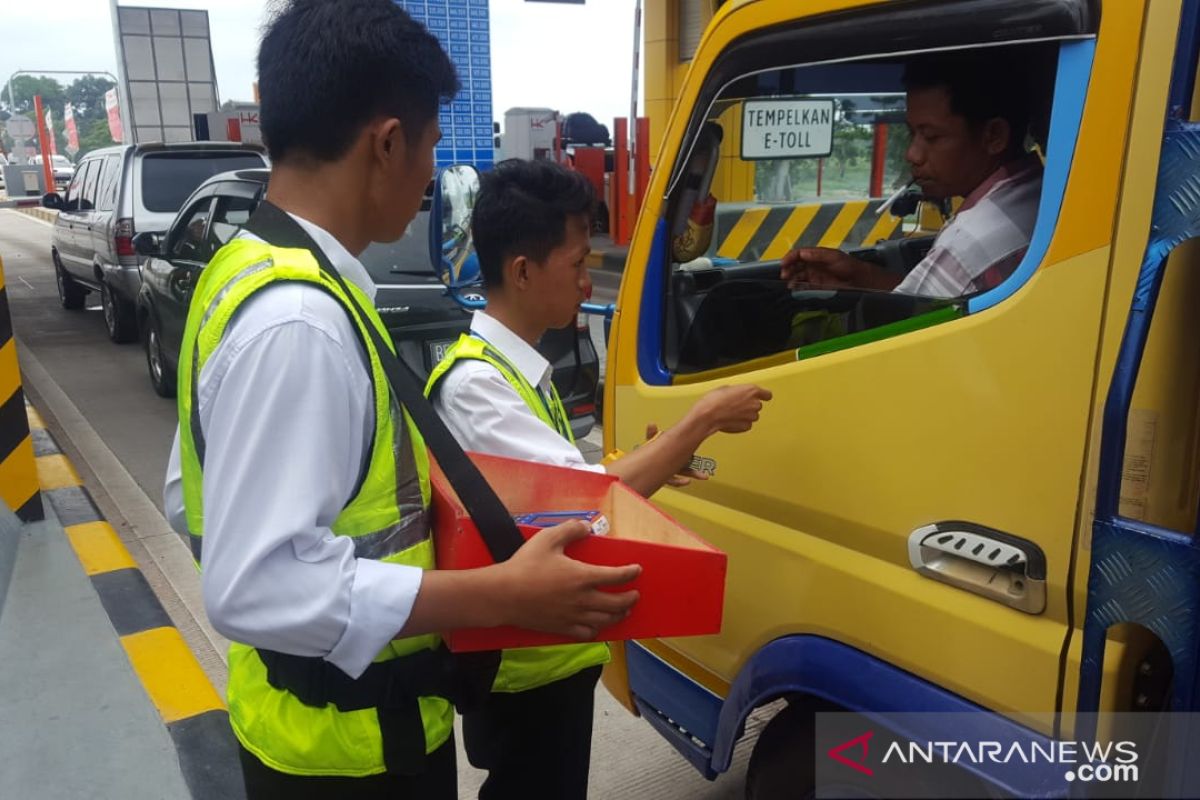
(169, 178)
(408, 256)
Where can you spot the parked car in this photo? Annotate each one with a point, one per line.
(116, 192)
(422, 318)
(61, 166)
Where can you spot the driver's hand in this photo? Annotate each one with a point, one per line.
(823, 267)
(826, 268)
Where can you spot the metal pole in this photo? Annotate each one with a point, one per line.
(633, 104)
(44, 148)
(122, 95)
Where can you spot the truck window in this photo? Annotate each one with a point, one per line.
(856, 169)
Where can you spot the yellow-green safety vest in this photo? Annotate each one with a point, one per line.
(526, 667)
(386, 518)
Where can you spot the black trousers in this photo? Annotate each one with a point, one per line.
(438, 782)
(537, 744)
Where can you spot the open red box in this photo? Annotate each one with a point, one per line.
(682, 585)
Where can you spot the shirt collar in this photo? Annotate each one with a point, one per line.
(523, 356)
(1012, 169)
(349, 266)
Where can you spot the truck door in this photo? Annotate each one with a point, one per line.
(912, 489)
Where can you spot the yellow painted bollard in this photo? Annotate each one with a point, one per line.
(18, 469)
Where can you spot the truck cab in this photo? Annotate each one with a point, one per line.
(982, 504)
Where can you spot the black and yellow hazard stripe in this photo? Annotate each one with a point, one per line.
(763, 233)
(18, 473)
(186, 701)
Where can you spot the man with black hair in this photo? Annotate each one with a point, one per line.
(493, 389)
(968, 115)
(299, 480)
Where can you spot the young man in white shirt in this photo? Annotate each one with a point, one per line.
(293, 467)
(531, 226)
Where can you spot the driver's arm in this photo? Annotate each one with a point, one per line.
(825, 266)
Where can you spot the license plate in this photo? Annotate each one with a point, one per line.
(437, 351)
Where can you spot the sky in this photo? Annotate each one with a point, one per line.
(566, 57)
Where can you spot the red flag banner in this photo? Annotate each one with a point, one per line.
(112, 105)
(71, 128)
(50, 131)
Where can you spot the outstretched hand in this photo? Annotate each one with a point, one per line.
(731, 409)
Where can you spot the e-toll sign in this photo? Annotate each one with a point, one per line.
(787, 128)
(462, 27)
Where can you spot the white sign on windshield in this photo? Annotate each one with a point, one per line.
(787, 129)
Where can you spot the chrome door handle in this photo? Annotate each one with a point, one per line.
(981, 560)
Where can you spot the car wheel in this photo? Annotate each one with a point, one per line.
(119, 318)
(70, 294)
(162, 377)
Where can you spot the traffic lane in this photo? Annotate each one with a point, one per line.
(108, 383)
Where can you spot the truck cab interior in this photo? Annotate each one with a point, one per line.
(841, 181)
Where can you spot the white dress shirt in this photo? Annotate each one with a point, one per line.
(287, 411)
(485, 413)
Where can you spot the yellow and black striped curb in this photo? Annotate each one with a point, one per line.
(44, 214)
(767, 232)
(608, 258)
(18, 473)
(186, 701)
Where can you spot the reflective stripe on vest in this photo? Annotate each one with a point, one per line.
(528, 667)
(386, 519)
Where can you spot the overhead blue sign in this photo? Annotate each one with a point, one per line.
(463, 28)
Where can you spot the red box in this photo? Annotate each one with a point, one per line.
(682, 584)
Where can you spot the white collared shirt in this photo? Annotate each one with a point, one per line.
(287, 411)
(485, 413)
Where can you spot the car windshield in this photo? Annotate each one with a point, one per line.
(407, 256)
(169, 178)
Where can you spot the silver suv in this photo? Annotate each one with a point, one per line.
(115, 193)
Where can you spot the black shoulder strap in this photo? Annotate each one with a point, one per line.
(496, 526)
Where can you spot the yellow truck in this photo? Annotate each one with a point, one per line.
(983, 504)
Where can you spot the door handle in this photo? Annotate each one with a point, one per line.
(981, 560)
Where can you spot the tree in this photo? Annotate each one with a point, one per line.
(24, 87)
(93, 134)
(86, 95)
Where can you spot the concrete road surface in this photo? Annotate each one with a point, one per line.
(121, 429)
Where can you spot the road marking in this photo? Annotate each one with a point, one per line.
(98, 548)
(27, 283)
(56, 472)
(170, 674)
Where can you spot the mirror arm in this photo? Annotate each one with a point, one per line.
(600, 309)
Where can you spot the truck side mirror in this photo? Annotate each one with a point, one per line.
(450, 246)
(52, 200)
